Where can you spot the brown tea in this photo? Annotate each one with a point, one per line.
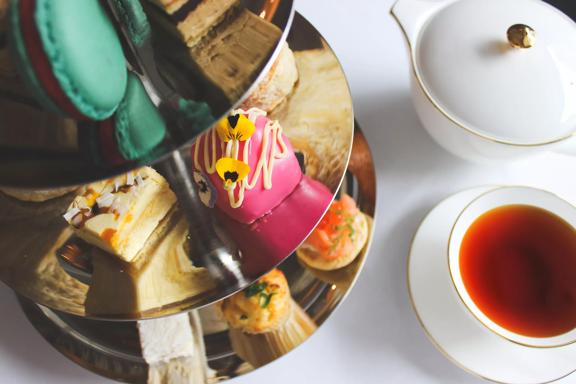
(518, 264)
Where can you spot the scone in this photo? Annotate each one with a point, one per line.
(278, 83)
(318, 115)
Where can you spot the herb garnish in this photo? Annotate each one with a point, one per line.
(255, 289)
(264, 299)
(259, 289)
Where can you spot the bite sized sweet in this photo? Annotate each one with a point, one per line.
(265, 322)
(277, 84)
(166, 338)
(174, 349)
(262, 307)
(118, 215)
(232, 53)
(69, 55)
(194, 18)
(267, 241)
(161, 274)
(228, 44)
(134, 131)
(338, 238)
(248, 163)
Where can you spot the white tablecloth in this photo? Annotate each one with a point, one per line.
(374, 336)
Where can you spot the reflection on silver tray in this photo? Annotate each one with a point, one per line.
(43, 149)
(31, 233)
(112, 349)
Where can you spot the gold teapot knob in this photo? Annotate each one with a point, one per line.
(521, 36)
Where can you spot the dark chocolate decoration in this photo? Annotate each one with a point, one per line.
(301, 161)
(231, 176)
(182, 13)
(233, 120)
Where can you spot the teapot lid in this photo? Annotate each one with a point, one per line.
(505, 69)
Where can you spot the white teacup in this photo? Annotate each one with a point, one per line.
(496, 198)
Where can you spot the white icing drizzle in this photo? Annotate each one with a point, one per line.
(209, 139)
(272, 135)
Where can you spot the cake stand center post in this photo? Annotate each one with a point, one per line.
(209, 244)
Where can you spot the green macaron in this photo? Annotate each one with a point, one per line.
(139, 125)
(69, 55)
(134, 132)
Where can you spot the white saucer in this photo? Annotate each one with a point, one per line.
(452, 329)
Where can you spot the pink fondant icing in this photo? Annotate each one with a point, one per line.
(259, 200)
(271, 238)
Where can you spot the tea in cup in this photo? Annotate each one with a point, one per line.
(512, 259)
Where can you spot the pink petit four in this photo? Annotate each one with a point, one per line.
(245, 165)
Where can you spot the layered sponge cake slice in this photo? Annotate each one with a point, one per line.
(118, 215)
(195, 18)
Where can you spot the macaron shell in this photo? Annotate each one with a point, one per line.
(85, 53)
(132, 15)
(139, 125)
(20, 55)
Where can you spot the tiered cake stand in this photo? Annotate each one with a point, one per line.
(52, 288)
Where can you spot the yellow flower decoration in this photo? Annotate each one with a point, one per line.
(235, 127)
(231, 170)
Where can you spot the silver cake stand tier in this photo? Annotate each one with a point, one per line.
(173, 73)
(112, 349)
(317, 118)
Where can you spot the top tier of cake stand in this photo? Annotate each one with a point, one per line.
(193, 84)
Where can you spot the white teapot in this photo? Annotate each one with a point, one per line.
(492, 79)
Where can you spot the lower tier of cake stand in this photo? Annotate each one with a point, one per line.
(112, 349)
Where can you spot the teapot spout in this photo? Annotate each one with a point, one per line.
(412, 15)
